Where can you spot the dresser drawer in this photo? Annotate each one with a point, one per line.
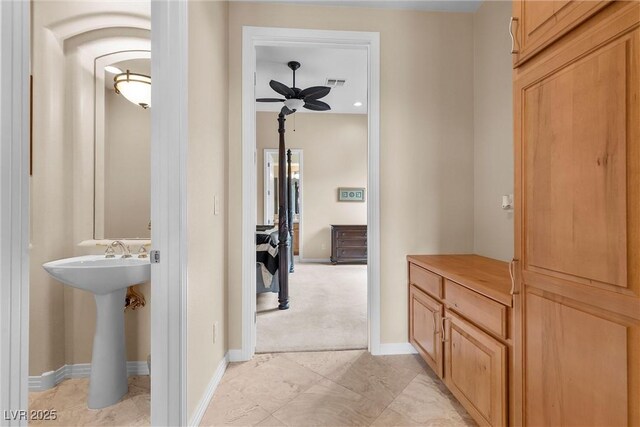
(352, 242)
(351, 234)
(425, 280)
(356, 252)
(481, 310)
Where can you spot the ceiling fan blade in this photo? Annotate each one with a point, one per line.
(315, 105)
(286, 111)
(270, 100)
(282, 89)
(315, 92)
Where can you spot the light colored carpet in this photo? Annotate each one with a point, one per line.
(328, 311)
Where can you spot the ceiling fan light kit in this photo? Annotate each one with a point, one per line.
(294, 103)
(296, 98)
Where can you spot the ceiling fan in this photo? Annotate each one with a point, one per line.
(296, 98)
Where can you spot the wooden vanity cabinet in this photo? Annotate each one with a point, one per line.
(537, 24)
(459, 322)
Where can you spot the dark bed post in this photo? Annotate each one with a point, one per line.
(283, 223)
(291, 209)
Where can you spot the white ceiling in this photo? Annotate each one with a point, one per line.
(317, 64)
(422, 5)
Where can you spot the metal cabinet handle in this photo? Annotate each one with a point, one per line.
(444, 319)
(512, 271)
(513, 38)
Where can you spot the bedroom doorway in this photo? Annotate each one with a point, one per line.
(262, 45)
(327, 281)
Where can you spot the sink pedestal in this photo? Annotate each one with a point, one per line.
(108, 382)
(108, 279)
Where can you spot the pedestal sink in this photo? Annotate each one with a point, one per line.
(107, 279)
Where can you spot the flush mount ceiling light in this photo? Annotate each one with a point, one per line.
(357, 104)
(135, 87)
(113, 70)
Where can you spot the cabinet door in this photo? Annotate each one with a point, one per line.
(476, 370)
(425, 315)
(540, 22)
(577, 221)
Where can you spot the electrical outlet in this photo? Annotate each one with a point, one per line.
(215, 332)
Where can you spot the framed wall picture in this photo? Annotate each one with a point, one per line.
(351, 194)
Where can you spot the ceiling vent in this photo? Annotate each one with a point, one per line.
(335, 82)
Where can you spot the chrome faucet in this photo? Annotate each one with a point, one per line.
(111, 253)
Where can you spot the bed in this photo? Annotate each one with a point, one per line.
(267, 259)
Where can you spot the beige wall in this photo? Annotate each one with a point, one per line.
(127, 168)
(207, 232)
(50, 234)
(334, 154)
(493, 131)
(62, 319)
(426, 131)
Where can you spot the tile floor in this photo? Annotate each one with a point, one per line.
(336, 388)
(69, 399)
(333, 388)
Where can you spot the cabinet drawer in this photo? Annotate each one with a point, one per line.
(351, 242)
(425, 280)
(481, 310)
(352, 252)
(350, 234)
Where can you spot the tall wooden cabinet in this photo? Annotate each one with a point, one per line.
(577, 254)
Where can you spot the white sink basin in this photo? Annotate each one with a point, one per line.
(108, 279)
(100, 275)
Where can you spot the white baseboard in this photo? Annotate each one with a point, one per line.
(79, 370)
(48, 379)
(236, 356)
(397, 348)
(198, 413)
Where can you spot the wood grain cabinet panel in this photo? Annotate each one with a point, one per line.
(575, 139)
(576, 366)
(425, 316)
(540, 22)
(476, 370)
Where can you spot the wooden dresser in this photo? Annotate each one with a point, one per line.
(460, 321)
(348, 244)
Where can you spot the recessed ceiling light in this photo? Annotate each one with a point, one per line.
(357, 104)
(113, 70)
